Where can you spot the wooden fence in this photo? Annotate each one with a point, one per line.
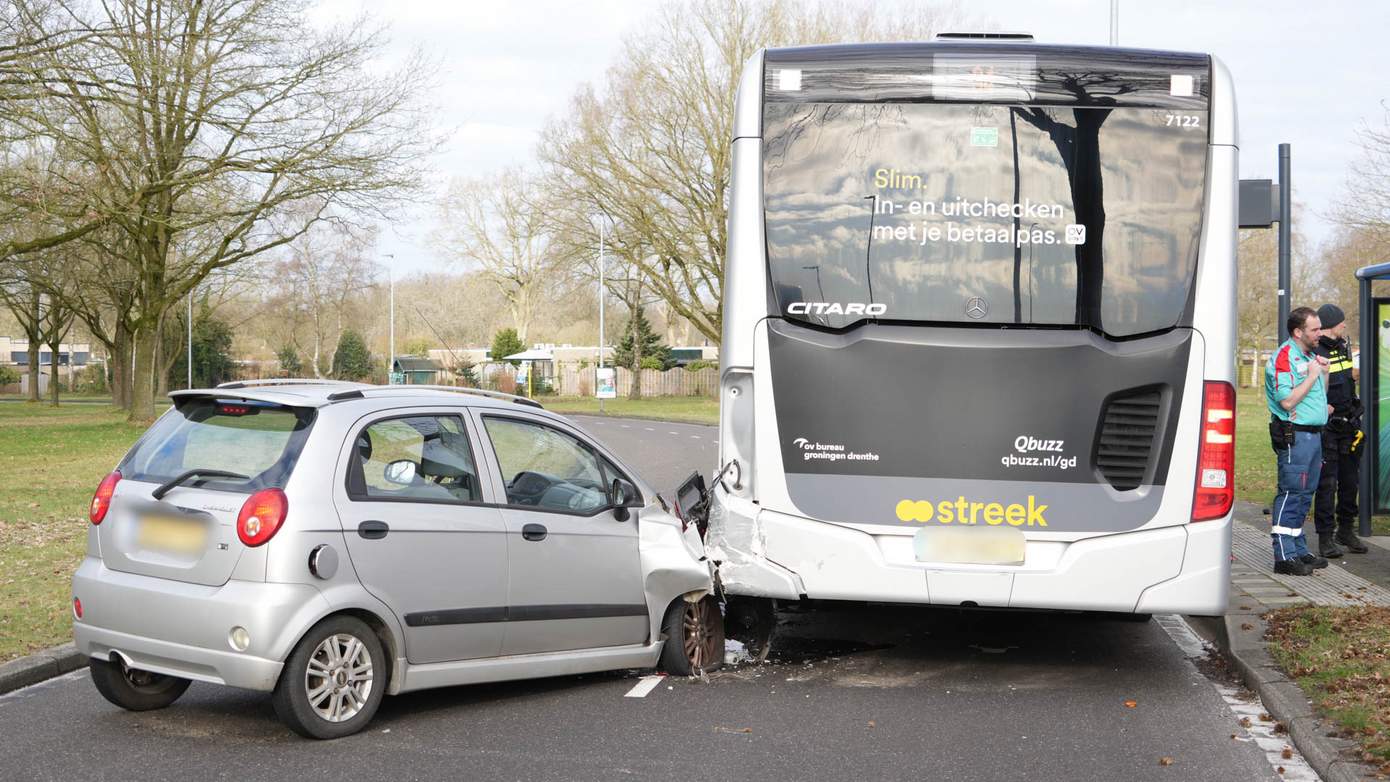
(571, 380)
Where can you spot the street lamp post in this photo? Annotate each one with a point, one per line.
(391, 328)
(602, 291)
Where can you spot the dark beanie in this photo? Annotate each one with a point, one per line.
(1330, 315)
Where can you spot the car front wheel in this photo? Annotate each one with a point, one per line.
(694, 637)
(333, 681)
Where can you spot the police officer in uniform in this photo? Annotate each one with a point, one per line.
(1334, 509)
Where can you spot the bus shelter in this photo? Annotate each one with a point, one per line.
(1375, 384)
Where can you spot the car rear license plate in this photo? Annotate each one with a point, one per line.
(970, 545)
(172, 534)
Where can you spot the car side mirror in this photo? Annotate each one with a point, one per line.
(400, 472)
(621, 496)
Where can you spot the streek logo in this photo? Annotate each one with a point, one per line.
(835, 308)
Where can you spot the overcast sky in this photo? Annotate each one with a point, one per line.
(1311, 74)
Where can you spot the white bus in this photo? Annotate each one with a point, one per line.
(979, 322)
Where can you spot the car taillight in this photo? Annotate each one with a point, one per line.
(261, 516)
(101, 501)
(1216, 456)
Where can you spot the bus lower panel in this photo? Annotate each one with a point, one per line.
(1177, 569)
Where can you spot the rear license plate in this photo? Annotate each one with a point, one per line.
(172, 534)
(970, 545)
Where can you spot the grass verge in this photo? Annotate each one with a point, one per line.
(1341, 659)
(688, 409)
(52, 459)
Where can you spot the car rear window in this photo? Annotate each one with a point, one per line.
(260, 440)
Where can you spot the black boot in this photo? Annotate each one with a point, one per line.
(1313, 561)
(1348, 538)
(1292, 567)
(1327, 546)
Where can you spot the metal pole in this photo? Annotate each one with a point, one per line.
(1370, 426)
(391, 365)
(190, 338)
(1114, 22)
(1285, 241)
(602, 288)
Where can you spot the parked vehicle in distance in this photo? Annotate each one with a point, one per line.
(333, 543)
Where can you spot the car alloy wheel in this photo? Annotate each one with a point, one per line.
(339, 677)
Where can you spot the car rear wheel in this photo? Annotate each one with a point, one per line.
(134, 689)
(333, 681)
(694, 637)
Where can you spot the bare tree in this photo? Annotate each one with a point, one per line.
(652, 148)
(328, 269)
(502, 227)
(204, 121)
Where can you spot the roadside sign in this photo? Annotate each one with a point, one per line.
(607, 385)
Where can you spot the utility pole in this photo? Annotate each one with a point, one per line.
(1114, 22)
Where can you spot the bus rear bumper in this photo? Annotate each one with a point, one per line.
(1177, 569)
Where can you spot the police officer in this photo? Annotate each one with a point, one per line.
(1298, 410)
(1334, 508)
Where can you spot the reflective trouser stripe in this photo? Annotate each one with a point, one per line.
(1290, 531)
(1278, 515)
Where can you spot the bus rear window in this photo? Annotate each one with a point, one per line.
(983, 214)
(259, 440)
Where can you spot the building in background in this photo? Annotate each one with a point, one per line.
(72, 359)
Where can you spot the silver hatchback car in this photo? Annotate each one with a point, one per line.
(335, 543)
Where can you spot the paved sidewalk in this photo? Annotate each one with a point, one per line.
(1353, 579)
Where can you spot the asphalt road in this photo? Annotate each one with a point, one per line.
(858, 693)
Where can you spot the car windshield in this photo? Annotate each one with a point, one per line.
(257, 439)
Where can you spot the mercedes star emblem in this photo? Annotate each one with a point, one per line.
(976, 307)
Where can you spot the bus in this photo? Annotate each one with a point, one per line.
(978, 328)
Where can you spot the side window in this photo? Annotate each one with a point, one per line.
(417, 458)
(546, 468)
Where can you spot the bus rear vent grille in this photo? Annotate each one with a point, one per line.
(1126, 438)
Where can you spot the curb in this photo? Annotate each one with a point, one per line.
(37, 667)
(1240, 639)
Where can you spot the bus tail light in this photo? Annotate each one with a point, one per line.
(261, 516)
(101, 500)
(1216, 455)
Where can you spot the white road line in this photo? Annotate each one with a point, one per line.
(674, 433)
(644, 686)
(625, 426)
(649, 429)
(695, 437)
(1261, 731)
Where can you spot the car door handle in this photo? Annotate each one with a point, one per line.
(534, 532)
(373, 529)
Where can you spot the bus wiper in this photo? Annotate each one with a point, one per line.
(165, 488)
(869, 246)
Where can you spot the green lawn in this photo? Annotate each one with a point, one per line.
(689, 409)
(52, 460)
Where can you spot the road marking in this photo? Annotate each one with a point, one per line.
(644, 686)
(1246, 712)
(694, 436)
(625, 426)
(649, 429)
(674, 433)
